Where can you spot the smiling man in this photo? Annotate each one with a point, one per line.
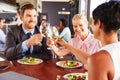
(24, 40)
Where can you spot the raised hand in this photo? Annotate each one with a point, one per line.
(62, 42)
(50, 42)
(35, 40)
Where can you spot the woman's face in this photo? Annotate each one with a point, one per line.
(61, 25)
(80, 26)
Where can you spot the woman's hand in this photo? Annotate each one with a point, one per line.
(61, 42)
(50, 42)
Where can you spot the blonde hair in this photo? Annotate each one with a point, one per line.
(80, 16)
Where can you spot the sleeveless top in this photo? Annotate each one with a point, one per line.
(114, 51)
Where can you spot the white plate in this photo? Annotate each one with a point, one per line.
(39, 61)
(59, 63)
(80, 74)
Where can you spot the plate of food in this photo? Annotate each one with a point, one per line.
(69, 64)
(75, 76)
(30, 61)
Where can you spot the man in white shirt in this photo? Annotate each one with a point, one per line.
(2, 34)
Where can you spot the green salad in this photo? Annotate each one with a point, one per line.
(30, 60)
(70, 63)
(76, 77)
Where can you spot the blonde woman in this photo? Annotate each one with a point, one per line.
(83, 40)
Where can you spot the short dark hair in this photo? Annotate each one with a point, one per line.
(109, 14)
(26, 6)
(64, 22)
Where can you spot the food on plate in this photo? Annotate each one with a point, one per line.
(30, 60)
(76, 77)
(69, 63)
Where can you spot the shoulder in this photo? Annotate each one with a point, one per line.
(101, 64)
(15, 27)
(99, 56)
(66, 28)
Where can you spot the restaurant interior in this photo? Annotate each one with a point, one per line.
(52, 10)
(59, 68)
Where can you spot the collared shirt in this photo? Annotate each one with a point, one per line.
(65, 34)
(89, 45)
(24, 47)
(2, 40)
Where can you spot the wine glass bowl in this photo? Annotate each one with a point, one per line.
(44, 31)
(54, 37)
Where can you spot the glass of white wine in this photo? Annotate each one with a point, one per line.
(44, 32)
(54, 37)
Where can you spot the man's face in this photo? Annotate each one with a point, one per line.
(80, 27)
(1, 23)
(29, 18)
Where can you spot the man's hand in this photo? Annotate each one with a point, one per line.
(34, 40)
(61, 42)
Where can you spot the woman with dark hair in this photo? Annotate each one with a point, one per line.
(65, 33)
(105, 64)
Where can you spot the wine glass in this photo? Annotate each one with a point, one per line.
(43, 31)
(54, 37)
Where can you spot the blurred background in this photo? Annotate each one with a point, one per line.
(51, 10)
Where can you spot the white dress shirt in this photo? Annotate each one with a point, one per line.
(2, 40)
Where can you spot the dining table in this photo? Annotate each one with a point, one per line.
(47, 70)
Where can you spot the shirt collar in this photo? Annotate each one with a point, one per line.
(25, 31)
(89, 37)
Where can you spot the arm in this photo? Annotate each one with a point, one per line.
(2, 36)
(82, 56)
(100, 66)
(13, 45)
(57, 50)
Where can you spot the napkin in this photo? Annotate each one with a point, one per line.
(2, 59)
(11, 75)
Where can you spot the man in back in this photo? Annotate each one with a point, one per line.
(2, 34)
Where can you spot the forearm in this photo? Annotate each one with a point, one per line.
(12, 53)
(80, 55)
(58, 51)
